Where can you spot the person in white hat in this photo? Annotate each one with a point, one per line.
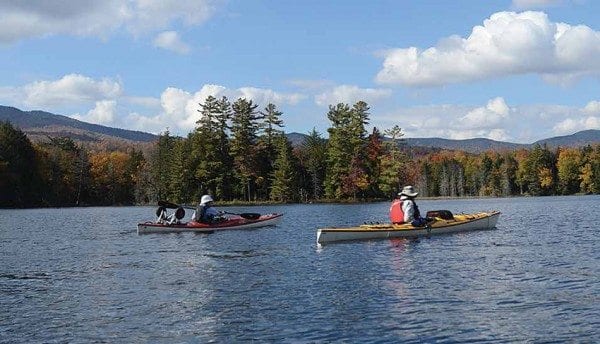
(205, 212)
(405, 209)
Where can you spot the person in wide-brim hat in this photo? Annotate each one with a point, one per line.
(405, 210)
(408, 191)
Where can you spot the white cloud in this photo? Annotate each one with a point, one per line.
(490, 116)
(494, 120)
(71, 89)
(169, 40)
(103, 113)
(26, 19)
(264, 96)
(180, 108)
(592, 108)
(147, 102)
(351, 94)
(508, 43)
(573, 125)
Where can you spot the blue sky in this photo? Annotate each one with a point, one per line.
(514, 70)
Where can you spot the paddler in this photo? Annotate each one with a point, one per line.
(404, 209)
(205, 212)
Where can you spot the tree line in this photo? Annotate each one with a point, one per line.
(240, 152)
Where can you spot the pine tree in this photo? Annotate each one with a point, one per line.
(266, 150)
(284, 177)
(19, 180)
(314, 156)
(243, 144)
(392, 162)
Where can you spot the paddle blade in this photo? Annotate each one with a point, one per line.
(168, 205)
(250, 216)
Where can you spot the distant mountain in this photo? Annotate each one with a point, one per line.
(39, 124)
(578, 139)
(469, 145)
(581, 138)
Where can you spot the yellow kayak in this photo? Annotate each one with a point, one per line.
(458, 223)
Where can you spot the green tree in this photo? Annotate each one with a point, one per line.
(160, 167)
(285, 178)
(391, 162)
(314, 154)
(243, 144)
(346, 159)
(19, 180)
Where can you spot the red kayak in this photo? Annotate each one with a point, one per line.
(233, 222)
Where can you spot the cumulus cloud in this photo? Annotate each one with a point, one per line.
(265, 96)
(180, 109)
(495, 120)
(71, 89)
(592, 108)
(351, 94)
(508, 43)
(170, 40)
(489, 116)
(103, 113)
(26, 19)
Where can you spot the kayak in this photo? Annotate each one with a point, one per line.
(235, 222)
(455, 224)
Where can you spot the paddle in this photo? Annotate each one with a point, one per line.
(167, 205)
(248, 216)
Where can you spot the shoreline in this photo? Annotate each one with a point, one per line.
(266, 203)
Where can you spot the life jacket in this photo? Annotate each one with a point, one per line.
(396, 213)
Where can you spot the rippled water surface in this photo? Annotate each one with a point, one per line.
(84, 275)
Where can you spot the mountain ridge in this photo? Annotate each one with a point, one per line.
(40, 124)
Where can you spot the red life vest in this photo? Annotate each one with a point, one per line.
(396, 213)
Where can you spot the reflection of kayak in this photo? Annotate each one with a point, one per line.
(459, 223)
(235, 222)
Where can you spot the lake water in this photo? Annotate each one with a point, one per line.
(84, 275)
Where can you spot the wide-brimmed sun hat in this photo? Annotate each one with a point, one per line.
(205, 199)
(408, 191)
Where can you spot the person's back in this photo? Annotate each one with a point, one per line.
(205, 212)
(405, 210)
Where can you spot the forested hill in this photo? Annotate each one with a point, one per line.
(39, 124)
(579, 139)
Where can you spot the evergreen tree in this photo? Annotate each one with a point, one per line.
(266, 150)
(19, 180)
(339, 150)
(346, 170)
(243, 144)
(285, 178)
(160, 167)
(392, 162)
(314, 155)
